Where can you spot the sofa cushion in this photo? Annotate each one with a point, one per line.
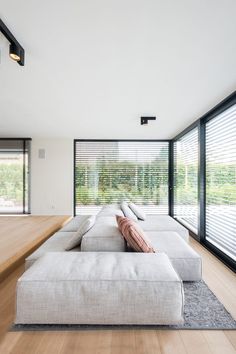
(100, 288)
(163, 223)
(185, 260)
(134, 235)
(127, 211)
(137, 211)
(104, 236)
(73, 225)
(110, 210)
(56, 243)
(84, 227)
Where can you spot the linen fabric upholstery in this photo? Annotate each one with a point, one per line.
(103, 237)
(186, 261)
(84, 227)
(100, 288)
(163, 223)
(110, 210)
(134, 235)
(137, 211)
(127, 211)
(74, 223)
(56, 243)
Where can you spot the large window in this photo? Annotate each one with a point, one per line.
(14, 176)
(186, 179)
(111, 171)
(221, 182)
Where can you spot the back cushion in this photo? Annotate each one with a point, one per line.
(134, 235)
(127, 211)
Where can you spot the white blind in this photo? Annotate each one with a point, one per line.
(186, 179)
(108, 172)
(221, 181)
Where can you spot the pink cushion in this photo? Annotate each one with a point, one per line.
(134, 235)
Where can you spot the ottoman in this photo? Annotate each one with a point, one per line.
(100, 288)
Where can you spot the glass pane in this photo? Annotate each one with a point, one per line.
(108, 172)
(186, 180)
(221, 182)
(11, 181)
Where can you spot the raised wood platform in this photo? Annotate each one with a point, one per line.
(21, 235)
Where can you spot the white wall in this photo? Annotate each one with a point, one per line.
(52, 177)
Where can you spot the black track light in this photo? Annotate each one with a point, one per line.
(16, 51)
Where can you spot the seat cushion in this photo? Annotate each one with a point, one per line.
(100, 288)
(186, 261)
(163, 223)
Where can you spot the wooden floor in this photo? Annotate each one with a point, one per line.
(20, 235)
(218, 277)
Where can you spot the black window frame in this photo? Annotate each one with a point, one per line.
(201, 124)
(28, 211)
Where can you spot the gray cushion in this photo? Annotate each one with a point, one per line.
(100, 288)
(137, 210)
(186, 261)
(128, 213)
(73, 225)
(163, 223)
(104, 236)
(84, 227)
(56, 243)
(110, 210)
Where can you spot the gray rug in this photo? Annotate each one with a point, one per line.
(202, 310)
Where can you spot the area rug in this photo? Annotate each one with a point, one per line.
(202, 310)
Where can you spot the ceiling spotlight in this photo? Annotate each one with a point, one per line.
(16, 51)
(144, 120)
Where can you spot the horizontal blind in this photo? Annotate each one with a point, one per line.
(221, 181)
(108, 172)
(14, 176)
(186, 179)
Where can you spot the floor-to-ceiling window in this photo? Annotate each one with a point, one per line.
(186, 179)
(112, 171)
(14, 176)
(220, 219)
(204, 179)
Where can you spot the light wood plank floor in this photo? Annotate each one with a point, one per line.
(20, 235)
(219, 278)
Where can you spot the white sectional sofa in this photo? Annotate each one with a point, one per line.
(103, 281)
(105, 236)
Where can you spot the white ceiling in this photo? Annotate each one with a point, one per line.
(93, 67)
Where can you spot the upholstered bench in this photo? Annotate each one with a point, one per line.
(100, 288)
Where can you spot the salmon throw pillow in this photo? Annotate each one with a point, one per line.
(134, 235)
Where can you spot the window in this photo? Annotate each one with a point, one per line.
(111, 171)
(221, 182)
(14, 176)
(186, 179)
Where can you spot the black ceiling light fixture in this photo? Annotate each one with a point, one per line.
(144, 120)
(16, 51)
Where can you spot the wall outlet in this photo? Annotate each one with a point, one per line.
(41, 154)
